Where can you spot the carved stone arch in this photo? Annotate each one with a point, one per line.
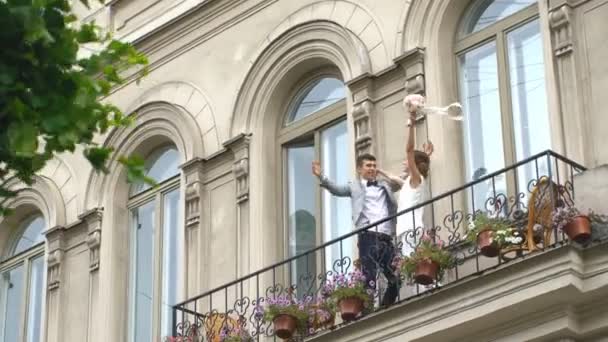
(43, 196)
(351, 16)
(155, 124)
(191, 99)
(65, 178)
(302, 48)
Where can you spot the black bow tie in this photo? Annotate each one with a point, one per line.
(372, 183)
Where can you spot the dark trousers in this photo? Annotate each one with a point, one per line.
(376, 251)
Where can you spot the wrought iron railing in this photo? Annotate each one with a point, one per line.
(524, 194)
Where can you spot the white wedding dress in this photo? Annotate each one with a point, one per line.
(410, 225)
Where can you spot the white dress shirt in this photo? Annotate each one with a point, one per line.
(375, 208)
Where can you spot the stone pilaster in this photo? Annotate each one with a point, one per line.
(193, 172)
(363, 114)
(240, 147)
(561, 24)
(55, 257)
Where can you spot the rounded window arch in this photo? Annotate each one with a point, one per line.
(160, 165)
(484, 13)
(501, 72)
(22, 275)
(316, 95)
(29, 234)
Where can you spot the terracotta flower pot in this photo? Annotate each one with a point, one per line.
(487, 246)
(426, 272)
(579, 229)
(285, 326)
(350, 308)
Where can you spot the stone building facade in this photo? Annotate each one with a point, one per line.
(243, 94)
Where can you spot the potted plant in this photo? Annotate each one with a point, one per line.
(572, 222)
(491, 234)
(427, 263)
(235, 334)
(321, 314)
(287, 314)
(349, 292)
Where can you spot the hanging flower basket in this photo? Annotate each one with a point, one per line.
(578, 229)
(426, 272)
(285, 326)
(350, 308)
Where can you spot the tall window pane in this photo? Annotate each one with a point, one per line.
(34, 310)
(143, 271)
(301, 208)
(171, 260)
(336, 210)
(13, 289)
(530, 115)
(483, 125)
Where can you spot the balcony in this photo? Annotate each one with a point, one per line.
(525, 280)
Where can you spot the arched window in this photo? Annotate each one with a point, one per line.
(317, 95)
(22, 283)
(155, 247)
(502, 86)
(315, 129)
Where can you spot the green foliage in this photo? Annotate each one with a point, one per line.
(358, 291)
(287, 306)
(51, 100)
(500, 228)
(428, 250)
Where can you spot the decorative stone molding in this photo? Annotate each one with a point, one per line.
(55, 237)
(94, 242)
(193, 200)
(193, 174)
(155, 124)
(560, 21)
(92, 219)
(196, 103)
(354, 19)
(53, 262)
(363, 132)
(240, 147)
(412, 63)
(288, 56)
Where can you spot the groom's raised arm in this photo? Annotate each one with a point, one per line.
(333, 188)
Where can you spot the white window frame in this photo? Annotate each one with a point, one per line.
(497, 32)
(308, 128)
(156, 195)
(24, 258)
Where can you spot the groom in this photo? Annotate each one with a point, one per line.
(371, 201)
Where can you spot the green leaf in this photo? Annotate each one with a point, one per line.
(23, 138)
(87, 34)
(136, 171)
(98, 156)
